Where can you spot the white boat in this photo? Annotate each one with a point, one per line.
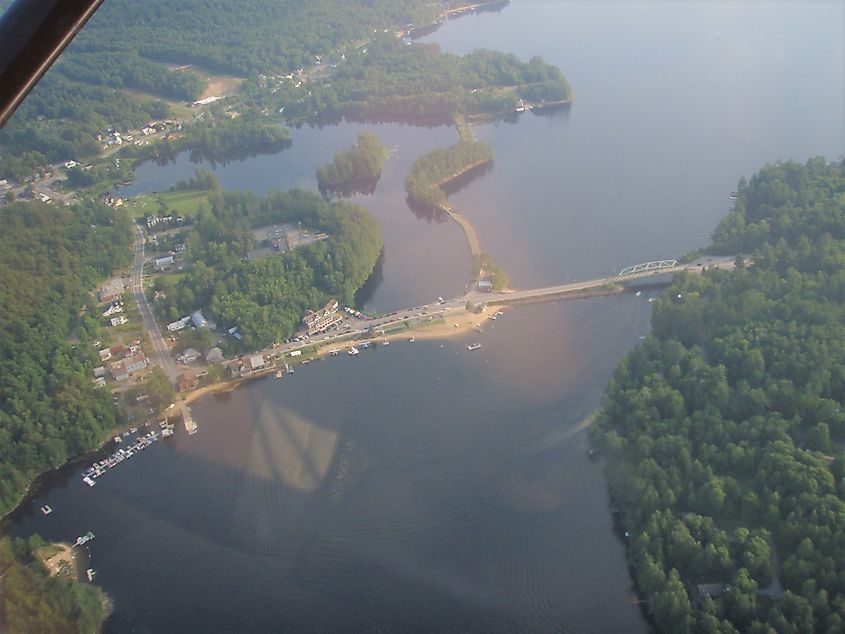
(352, 351)
(386, 342)
(365, 345)
(279, 374)
(46, 510)
(412, 339)
(88, 481)
(334, 352)
(90, 572)
(638, 293)
(474, 346)
(118, 439)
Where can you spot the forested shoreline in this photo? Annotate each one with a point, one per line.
(723, 432)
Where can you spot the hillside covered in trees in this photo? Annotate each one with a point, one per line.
(724, 431)
(355, 169)
(388, 79)
(50, 258)
(266, 298)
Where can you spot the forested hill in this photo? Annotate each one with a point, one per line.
(243, 37)
(724, 431)
(50, 258)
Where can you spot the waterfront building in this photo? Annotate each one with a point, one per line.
(322, 319)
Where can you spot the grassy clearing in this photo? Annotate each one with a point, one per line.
(182, 203)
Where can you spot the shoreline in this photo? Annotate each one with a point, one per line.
(460, 323)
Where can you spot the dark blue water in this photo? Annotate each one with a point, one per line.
(421, 487)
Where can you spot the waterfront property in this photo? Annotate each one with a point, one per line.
(323, 319)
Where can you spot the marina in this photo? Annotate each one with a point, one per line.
(99, 468)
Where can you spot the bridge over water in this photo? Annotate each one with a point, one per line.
(611, 283)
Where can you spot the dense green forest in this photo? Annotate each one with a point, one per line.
(244, 37)
(388, 79)
(50, 257)
(723, 432)
(430, 171)
(125, 43)
(266, 298)
(355, 168)
(32, 601)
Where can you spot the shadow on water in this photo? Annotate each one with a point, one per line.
(461, 182)
(330, 119)
(368, 289)
(554, 111)
(426, 212)
(365, 186)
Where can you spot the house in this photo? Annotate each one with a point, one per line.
(118, 350)
(99, 372)
(118, 321)
(119, 372)
(253, 363)
(105, 354)
(179, 324)
(100, 381)
(485, 285)
(163, 263)
(215, 355)
(136, 362)
(111, 291)
(113, 309)
(189, 356)
(198, 320)
(186, 381)
(323, 319)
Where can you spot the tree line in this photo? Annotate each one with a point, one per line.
(724, 431)
(50, 259)
(387, 79)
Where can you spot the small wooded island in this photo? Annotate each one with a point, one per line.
(354, 170)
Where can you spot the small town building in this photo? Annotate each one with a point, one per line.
(179, 324)
(485, 285)
(119, 372)
(189, 356)
(163, 262)
(215, 355)
(118, 321)
(323, 319)
(100, 381)
(113, 309)
(198, 320)
(105, 354)
(136, 362)
(253, 363)
(100, 371)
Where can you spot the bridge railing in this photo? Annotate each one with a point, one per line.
(647, 267)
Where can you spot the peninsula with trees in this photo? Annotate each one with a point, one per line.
(724, 431)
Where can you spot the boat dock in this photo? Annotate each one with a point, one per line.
(99, 468)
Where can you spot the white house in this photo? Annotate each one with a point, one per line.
(163, 263)
(179, 324)
(119, 320)
(136, 362)
(189, 356)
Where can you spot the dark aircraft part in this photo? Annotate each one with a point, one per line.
(32, 35)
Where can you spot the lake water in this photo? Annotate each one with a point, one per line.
(421, 487)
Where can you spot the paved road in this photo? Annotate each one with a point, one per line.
(160, 354)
